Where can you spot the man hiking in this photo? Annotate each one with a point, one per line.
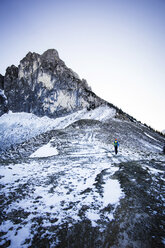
(116, 145)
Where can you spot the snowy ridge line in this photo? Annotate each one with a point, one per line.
(16, 128)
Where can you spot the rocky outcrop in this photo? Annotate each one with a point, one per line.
(1, 82)
(44, 85)
(3, 98)
(3, 103)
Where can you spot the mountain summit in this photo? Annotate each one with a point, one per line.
(44, 85)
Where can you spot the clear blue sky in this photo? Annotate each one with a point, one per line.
(118, 46)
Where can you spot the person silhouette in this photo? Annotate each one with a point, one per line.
(116, 145)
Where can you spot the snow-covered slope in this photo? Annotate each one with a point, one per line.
(63, 186)
(18, 127)
(67, 188)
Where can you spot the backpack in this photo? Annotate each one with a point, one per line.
(115, 143)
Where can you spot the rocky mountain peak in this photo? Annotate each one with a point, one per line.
(44, 85)
(11, 71)
(30, 57)
(51, 55)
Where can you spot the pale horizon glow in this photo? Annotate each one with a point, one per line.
(116, 45)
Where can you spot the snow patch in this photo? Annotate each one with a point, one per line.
(150, 136)
(93, 217)
(45, 151)
(101, 113)
(112, 192)
(65, 100)
(46, 80)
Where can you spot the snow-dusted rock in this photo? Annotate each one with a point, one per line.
(44, 85)
(3, 102)
(1, 81)
(16, 128)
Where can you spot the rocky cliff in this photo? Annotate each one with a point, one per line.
(44, 85)
(3, 98)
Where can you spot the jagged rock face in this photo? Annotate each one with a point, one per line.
(1, 82)
(44, 85)
(3, 99)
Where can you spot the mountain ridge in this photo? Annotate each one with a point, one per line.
(44, 85)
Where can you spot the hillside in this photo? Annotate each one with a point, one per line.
(61, 183)
(65, 187)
